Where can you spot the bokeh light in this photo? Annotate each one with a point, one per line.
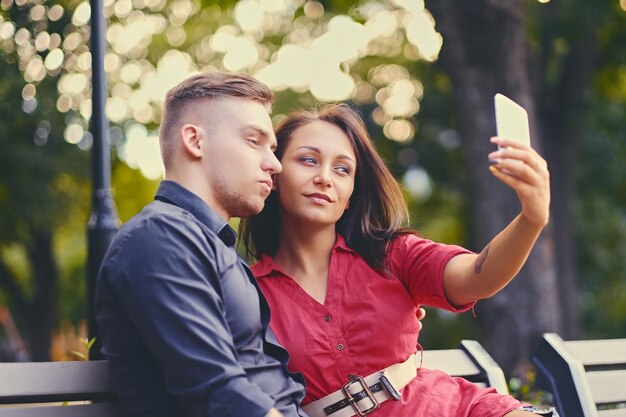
(73, 133)
(320, 53)
(141, 151)
(417, 183)
(82, 14)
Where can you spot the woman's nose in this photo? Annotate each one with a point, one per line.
(322, 178)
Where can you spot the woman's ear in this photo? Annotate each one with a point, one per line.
(190, 138)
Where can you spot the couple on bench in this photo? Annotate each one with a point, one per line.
(185, 323)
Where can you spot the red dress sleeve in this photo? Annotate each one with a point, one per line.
(419, 264)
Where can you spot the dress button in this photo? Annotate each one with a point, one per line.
(327, 318)
(351, 377)
(340, 346)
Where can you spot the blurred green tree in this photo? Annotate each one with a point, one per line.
(44, 168)
(428, 122)
(42, 181)
(544, 56)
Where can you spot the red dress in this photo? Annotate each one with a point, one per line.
(368, 322)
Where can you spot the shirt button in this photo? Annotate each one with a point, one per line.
(351, 377)
(340, 346)
(327, 318)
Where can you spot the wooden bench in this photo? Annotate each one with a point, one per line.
(49, 384)
(471, 361)
(586, 377)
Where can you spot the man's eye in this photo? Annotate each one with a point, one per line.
(253, 140)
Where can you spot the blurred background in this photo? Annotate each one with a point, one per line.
(423, 74)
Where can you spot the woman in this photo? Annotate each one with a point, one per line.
(344, 278)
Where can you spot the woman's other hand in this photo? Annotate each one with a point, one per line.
(420, 314)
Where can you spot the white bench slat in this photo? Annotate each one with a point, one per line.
(82, 410)
(598, 352)
(617, 412)
(607, 386)
(42, 378)
(454, 361)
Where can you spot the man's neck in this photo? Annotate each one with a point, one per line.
(199, 189)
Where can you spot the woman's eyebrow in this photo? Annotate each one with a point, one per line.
(349, 158)
(311, 148)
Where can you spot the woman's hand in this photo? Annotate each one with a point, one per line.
(420, 314)
(523, 169)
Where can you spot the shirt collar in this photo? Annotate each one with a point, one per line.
(340, 243)
(174, 193)
(265, 266)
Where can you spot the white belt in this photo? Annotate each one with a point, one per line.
(362, 395)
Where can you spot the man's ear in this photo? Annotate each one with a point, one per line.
(190, 137)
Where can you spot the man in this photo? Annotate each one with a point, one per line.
(182, 321)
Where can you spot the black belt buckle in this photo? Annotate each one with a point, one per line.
(390, 388)
(359, 380)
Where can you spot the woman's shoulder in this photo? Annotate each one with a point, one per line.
(407, 238)
(411, 243)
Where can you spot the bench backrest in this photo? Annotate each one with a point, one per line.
(470, 361)
(48, 384)
(24, 384)
(586, 377)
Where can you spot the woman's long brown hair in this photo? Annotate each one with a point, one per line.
(377, 211)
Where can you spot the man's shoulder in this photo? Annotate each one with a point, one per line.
(157, 225)
(156, 217)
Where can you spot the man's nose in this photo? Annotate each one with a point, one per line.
(271, 163)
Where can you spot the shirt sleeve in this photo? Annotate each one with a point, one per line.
(419, 264)
(170, 289)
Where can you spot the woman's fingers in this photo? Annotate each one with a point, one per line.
(527, 155)
(525, 171)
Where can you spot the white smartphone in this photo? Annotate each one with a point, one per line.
(511, 120)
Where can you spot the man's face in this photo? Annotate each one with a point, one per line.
(238, 159)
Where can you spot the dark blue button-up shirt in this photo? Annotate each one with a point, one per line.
(182, 321)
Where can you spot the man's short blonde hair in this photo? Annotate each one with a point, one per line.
(202, 87)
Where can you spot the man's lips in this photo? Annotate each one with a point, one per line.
(268, 183)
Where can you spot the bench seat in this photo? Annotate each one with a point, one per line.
(41, 389)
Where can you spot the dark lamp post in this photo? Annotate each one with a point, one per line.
(103, 221)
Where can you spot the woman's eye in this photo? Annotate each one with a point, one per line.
(344, 170)
(308, 160)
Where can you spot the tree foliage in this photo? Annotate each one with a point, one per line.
(378, 55)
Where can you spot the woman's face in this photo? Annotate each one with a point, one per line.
(317, 180)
